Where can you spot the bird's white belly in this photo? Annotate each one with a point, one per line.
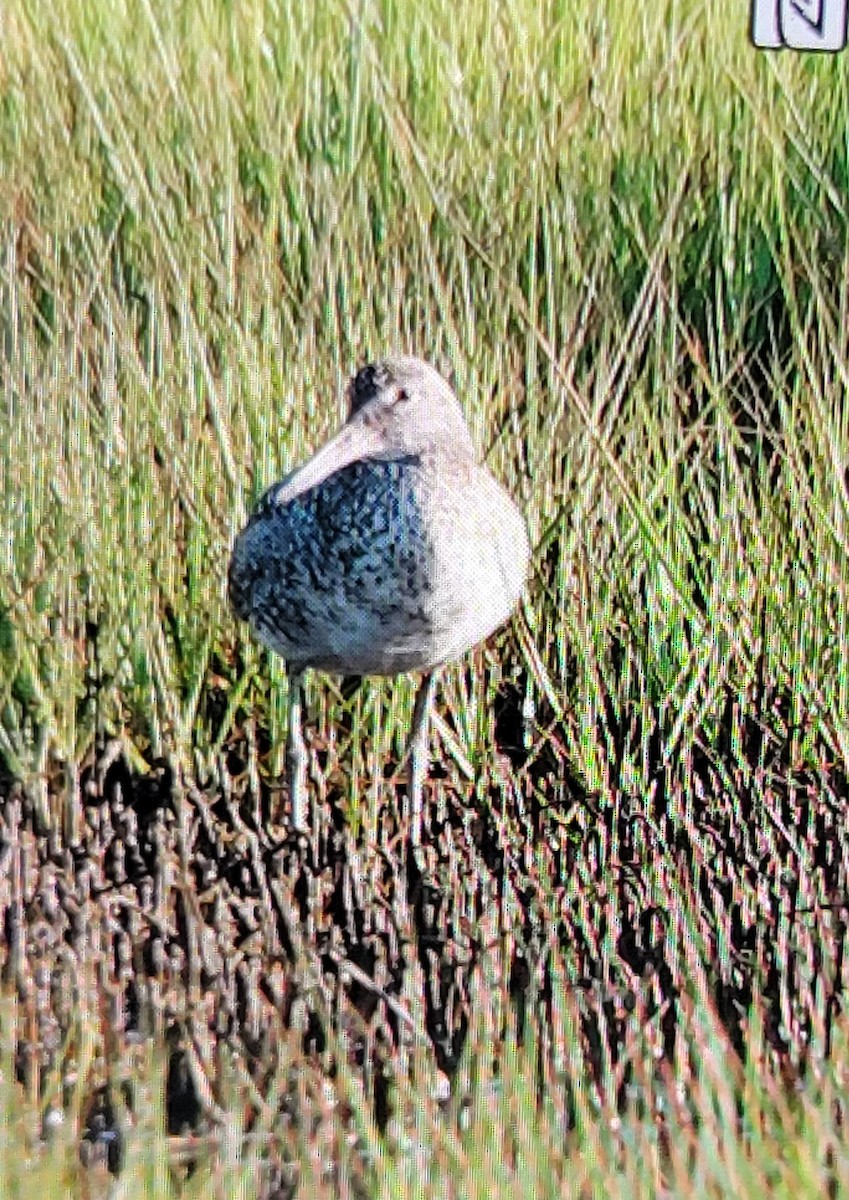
(480, 570)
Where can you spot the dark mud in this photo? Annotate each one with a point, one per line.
(165, 904)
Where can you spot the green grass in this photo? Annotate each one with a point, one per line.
(727, 1131)
(625, 234)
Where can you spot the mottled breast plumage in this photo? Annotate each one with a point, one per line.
(330, 575)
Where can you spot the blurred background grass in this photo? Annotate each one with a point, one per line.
(622, 232)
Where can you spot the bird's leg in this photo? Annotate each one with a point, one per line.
(418, 748)
(296, 755)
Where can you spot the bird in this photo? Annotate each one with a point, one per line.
(391, 550)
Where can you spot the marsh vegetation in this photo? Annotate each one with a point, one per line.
(618, 968)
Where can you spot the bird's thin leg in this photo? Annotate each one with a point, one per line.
(418, 748)
(296, 755)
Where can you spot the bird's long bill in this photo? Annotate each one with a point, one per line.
(353, 441)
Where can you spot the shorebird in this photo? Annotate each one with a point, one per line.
(392, 549)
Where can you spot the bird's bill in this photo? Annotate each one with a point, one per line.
(354, 441)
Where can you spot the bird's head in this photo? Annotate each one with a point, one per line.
(399, 407)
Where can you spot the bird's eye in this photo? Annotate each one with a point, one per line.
(403, 396)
